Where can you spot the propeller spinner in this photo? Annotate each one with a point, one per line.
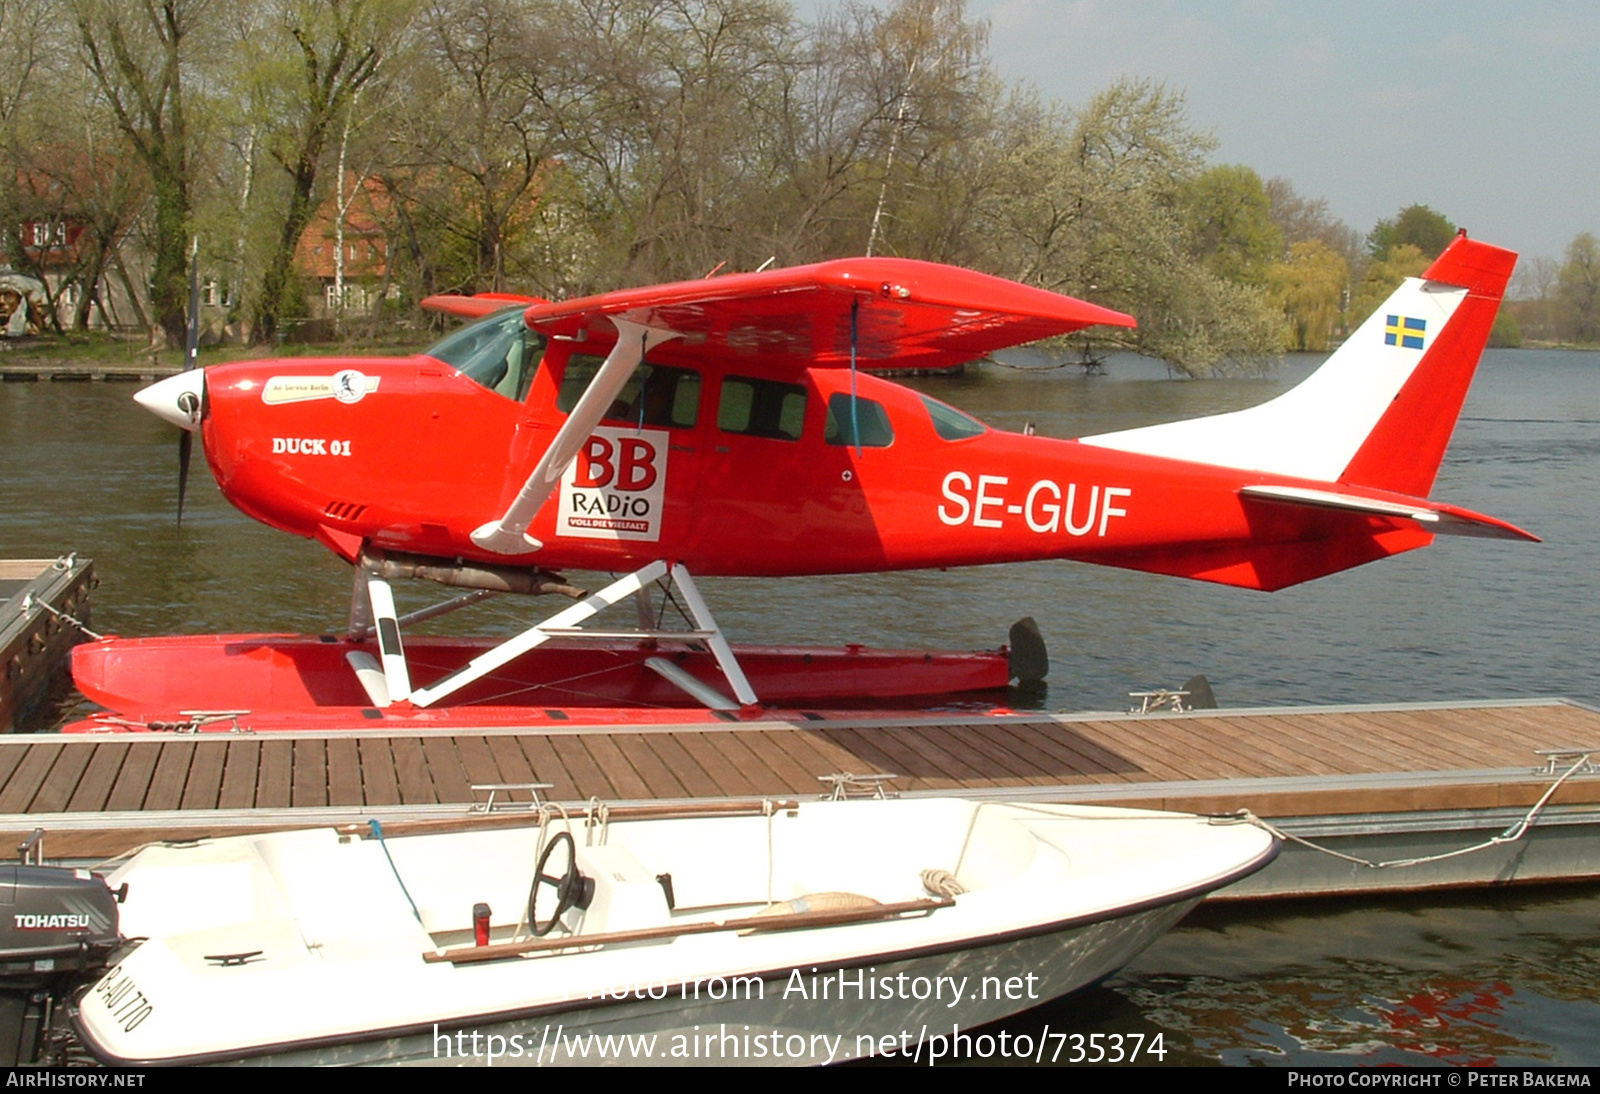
(176, 399)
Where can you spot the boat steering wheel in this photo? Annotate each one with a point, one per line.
(568, 885)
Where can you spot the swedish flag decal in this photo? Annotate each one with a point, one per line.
(1402, 331)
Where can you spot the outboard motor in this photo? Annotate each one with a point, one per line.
(58, 927)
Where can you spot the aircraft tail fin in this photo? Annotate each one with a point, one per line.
(1404, 449)
(1380, 411)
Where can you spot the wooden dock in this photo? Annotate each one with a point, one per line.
(1379, 777)
(35, 637)
(135, 372)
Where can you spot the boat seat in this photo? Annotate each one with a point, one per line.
(626, 895)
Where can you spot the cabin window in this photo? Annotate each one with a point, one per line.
(873, 420)
(659, 395)
(762, 408)
(499, 352)
(950, 423)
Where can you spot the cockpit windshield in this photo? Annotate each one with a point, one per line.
(499, 352)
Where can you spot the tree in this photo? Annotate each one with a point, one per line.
(1309, 287)
(139, 56)
(880, 136)
(318, 55)
(1091, 204)
(24, 52)
(1230, 217)
(1507, 332)
(655, 123)
(1580, 288)
(92, 194)
(26, 56)
(1303, 219)
(1385, 275)
(1415, 226)
(1084, 196)
(1534, 297)
(479, 138)
(828, 147)
(931, 72)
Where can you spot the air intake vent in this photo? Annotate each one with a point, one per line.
(344, 510)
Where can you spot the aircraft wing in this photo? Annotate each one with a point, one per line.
(476, 307)
(905, 314)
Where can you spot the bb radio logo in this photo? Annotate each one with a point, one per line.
(616, 487)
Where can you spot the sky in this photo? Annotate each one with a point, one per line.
(1487, 112)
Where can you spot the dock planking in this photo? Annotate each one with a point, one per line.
(1276, 762)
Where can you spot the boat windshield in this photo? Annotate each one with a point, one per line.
(499, 352)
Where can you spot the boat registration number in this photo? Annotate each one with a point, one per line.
(122, 999)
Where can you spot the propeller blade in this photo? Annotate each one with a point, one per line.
(178, 399)
(185, 446)
(191, 356)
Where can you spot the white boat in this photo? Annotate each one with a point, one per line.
(780, 933)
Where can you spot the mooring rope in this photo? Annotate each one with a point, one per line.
(377, 830)
(1511, 835)
(30, 602)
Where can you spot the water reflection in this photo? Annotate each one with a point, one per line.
(1461, 980)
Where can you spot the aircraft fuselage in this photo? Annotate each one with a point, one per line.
(740, 476)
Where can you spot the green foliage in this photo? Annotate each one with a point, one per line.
(1579, 289)
(1231, 222)
(141, 58)
(570, 146)
(1093, 203)
(1506, 332)
(1384, 276)
(1309, 286)
(316, 57)
(1415, 226)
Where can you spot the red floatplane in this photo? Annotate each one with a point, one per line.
(733, 426)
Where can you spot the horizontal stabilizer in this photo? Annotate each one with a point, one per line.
(1433, 516)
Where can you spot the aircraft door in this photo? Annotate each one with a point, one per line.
(754, 471)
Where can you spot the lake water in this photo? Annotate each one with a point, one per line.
(1509, 978)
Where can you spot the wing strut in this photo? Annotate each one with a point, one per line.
(508, 535)
(390, 681)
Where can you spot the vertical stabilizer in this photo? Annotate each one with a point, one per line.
(1405, 448)
(1380, 411)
